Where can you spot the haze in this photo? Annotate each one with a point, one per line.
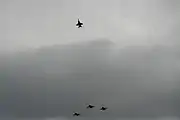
(27, 24)
(126, 57)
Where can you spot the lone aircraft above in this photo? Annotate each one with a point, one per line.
(79, 24)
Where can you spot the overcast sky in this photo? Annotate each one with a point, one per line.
(34, 23)
(55, 81)
(126, 56)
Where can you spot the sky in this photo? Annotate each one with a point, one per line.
(53, 82)
(126, 57)
(27, 24)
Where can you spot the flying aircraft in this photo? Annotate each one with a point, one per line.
(103, 108)
(90, 106)
(76, 114)
(79, 24)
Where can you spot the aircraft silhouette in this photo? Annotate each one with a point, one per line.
(76, 114)
(103, 108)
(90, 106)
(79, 24)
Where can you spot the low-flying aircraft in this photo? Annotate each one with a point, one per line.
(79, 24)
(76, 114)
(103, 108)
(90, 106)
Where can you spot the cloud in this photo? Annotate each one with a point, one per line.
(32, 24)
(55, 81)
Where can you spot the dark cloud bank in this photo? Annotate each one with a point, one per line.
(54, 81)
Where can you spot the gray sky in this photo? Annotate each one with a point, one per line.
(34, 23)
(55, 81)
(126, 57)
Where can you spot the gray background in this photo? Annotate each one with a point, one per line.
(126, 57)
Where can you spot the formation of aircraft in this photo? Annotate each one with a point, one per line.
(79, 24)
(89, 107)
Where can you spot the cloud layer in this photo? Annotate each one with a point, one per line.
(55, 81)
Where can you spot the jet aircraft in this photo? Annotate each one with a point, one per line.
(103, 108)
(90, 106)
(76, 114)
(79, 24)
